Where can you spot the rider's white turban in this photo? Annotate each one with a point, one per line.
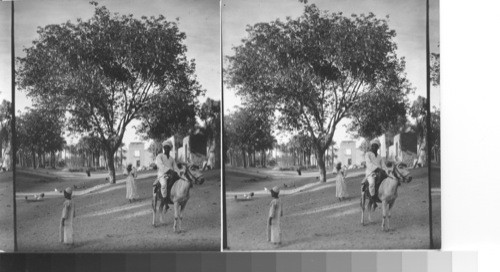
(276, 189)
(167, 143)
(375, 141)
(69, 190)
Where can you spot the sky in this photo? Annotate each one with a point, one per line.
(5, 51)
(407, 17)
(199, 19)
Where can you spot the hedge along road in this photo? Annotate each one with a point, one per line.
(314, 219)
(106, 221)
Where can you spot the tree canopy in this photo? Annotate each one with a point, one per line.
(418, 111)
(316, 69)
(105, 71)
(377, 113)
(39, 132)
(247, 130)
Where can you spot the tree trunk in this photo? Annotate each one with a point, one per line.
(320, 157)
(254, 160)
(121, 157)
(33, 156)
(263, 158)
(53, 159)
(244, 159)
(217, 154)
(111, 166)
(333, 157)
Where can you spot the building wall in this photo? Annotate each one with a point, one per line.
(383, 150)
(405, 146)
(392, 153)
(198, 156)
(349, 151)
(138, 156)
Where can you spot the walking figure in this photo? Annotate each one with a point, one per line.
(341, 187)
(275, 214)
(68, 213)
(131, 173)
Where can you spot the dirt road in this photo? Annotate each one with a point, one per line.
(106, 221)
(314, 219)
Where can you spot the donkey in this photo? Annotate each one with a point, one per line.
(179, 195)
(387, 194)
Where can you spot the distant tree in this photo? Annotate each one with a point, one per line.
(106, 70)
(40, 132)
(378, 112)
(303, 145)
(170, 113)
(210, 114)
(248, 131)
(436, 113)
(155, 148)
(315, 69)
(89, 147)
(418, 111)
(435, 141)
(5, 125)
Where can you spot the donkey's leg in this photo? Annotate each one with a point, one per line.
(162, 214)
(153, 205)
(389, 208)
(371, 208)
(384, 214)
(176, 215)
(362, 209)
(180, 219)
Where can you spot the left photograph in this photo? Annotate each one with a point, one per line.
(118, 125)
(6, 174)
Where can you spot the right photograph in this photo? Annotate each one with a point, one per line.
(331, 125)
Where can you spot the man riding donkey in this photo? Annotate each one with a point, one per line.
(167, 171)
(376, 170)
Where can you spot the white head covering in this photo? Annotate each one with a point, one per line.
(69, 190)
(276, 189)
(375, 141)
(168, 143)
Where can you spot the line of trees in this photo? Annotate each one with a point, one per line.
(249, 142)
(436, 112)
(5, 127)
(248, 136)
(5, 132)
(39, 137)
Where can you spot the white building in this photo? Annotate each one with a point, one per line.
(349, 154)
(138, 155)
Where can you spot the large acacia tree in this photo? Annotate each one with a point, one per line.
(104, 71)
(315, 69)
